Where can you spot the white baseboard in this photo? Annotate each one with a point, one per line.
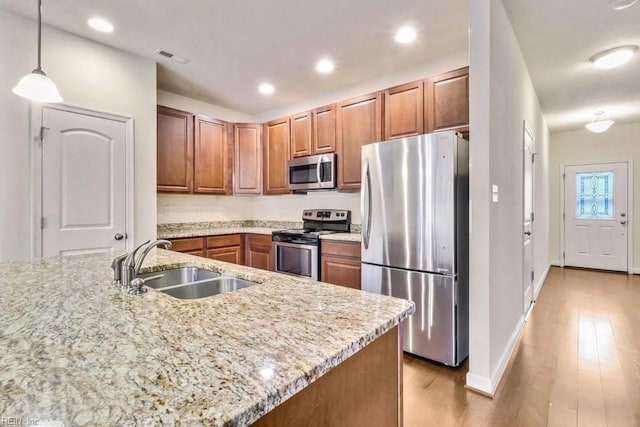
(555, 262)
(636, 270)
(537, 287)
(488, 386)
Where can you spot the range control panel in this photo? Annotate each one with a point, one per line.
(326, 215)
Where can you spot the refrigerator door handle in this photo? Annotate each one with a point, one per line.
(366, 182)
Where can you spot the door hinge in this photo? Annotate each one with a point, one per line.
(532, 216)
(43, 133)
(564, 176)
(42, 223)
(563, 257)
(562, 215)
(532, 275)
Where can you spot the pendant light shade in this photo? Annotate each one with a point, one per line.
(36, 86)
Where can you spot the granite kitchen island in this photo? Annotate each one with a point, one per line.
(79, 351)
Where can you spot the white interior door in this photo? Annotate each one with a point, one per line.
(596, 216)
(83, 184)
(527, 238)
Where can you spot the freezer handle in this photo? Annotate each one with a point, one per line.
(366, 202)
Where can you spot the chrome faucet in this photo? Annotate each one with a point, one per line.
(126, 267)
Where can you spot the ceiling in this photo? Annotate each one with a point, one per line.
(557, 39)
(235, 45)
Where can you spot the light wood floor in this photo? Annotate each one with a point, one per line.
(577, 363)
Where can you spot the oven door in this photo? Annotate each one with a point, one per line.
(296, 259)
(312, 172)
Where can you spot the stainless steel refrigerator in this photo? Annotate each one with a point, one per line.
(415, 237)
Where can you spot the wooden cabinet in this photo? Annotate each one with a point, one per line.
(190, 245)
(404, 111)
(175, 150)
(447, 102)
(228, 248)
(340, 263)
(258, 252)
(301, 131)
(276, 156)
(247, 154)
(212, 160)
(358, 122)
(324, 130)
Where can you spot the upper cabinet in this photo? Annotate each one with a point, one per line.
(359, 122)
(447, 102)
(175, 150)
(276, 156)
(301, 131)
(212, 162)
(247, 151)
(404, 111)
(324, 130)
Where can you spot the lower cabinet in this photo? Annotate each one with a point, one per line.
(258, 252)
(340, 263)
(191, 245)
(228, 248)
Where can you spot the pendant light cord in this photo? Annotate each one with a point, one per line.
(39, 34)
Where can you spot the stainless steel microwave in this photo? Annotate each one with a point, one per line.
(312, 173)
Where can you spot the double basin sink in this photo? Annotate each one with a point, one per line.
(192, 282)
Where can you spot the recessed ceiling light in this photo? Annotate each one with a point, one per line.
(622, 4)
(100, 24)
(615, 57)
(266, 89)
(406, 35)
(325, 66)
(599, 123)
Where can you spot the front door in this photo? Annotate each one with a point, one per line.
(83, 183)
(528, 218)
(595, 216)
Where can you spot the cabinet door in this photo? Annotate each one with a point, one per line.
(340, 263)
(276, 156)
(359, 122)
(175, 150)
(404, 111)
(301, 135)
(229, 248)
(447, 101)
(190, 245)
(258, 252)
(247, 154)
(324, 130)
(212, 160)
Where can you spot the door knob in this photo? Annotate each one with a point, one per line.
(623, 222)
(528, 233)
(118, 236)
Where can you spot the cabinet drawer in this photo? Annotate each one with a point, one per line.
(259, 239)
(224, 241)
(188, 245)
(342, 249)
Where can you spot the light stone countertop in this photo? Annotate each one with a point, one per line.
(214, 231)
(79, 351)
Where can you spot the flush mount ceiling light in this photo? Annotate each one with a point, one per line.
(100, 24)
(615, 57)
(599, 123)
(36, 86)
(325, 66)
(622, 4)
(406, 35)
(266, 89)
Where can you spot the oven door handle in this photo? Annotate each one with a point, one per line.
(295, 245)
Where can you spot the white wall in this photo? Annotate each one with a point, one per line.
(89, 75)
(502, 96)
(621, 142)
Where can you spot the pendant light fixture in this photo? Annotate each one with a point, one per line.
(599, 123)
(36, 86)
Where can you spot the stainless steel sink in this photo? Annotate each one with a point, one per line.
(177, 276)
(206, 288)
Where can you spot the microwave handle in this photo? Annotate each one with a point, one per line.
(318, 166)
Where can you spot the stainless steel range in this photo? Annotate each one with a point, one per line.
(297, 252)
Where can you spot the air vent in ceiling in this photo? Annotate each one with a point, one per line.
(177, 58)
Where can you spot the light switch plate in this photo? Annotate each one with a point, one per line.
(494, 193)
